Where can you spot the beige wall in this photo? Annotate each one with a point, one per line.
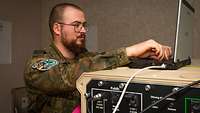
(124, 23)
(196, 38)
(25, 16)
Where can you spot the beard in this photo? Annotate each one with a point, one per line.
(76, 46)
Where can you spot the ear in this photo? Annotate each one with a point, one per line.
(57, 28)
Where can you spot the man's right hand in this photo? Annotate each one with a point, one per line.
(149, 49)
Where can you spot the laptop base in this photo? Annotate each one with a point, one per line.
(170, 64)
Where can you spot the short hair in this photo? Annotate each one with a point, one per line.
(56, 13)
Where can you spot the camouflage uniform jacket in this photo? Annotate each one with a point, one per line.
(51, 78)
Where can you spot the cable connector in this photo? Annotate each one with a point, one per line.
(163, 66)
(97, 96)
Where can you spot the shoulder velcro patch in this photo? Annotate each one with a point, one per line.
(39, 52)
(45, 64)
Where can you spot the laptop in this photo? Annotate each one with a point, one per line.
(183, 41)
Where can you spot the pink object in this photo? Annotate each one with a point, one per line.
(77, 109)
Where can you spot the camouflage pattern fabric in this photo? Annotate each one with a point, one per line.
(51, 78)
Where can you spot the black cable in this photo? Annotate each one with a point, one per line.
(88, 100)
(170, 94)
(88, 109)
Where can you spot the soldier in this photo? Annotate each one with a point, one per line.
(50, 75)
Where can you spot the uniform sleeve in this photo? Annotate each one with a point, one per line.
(62, 77)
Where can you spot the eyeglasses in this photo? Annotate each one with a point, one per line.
(78, 26)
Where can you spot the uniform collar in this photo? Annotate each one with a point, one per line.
(53, 50)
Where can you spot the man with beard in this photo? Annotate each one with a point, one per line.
(51, 74)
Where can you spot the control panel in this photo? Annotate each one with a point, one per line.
(101, 90)
(103, 95)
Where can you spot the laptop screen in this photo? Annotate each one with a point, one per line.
(184, 31)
